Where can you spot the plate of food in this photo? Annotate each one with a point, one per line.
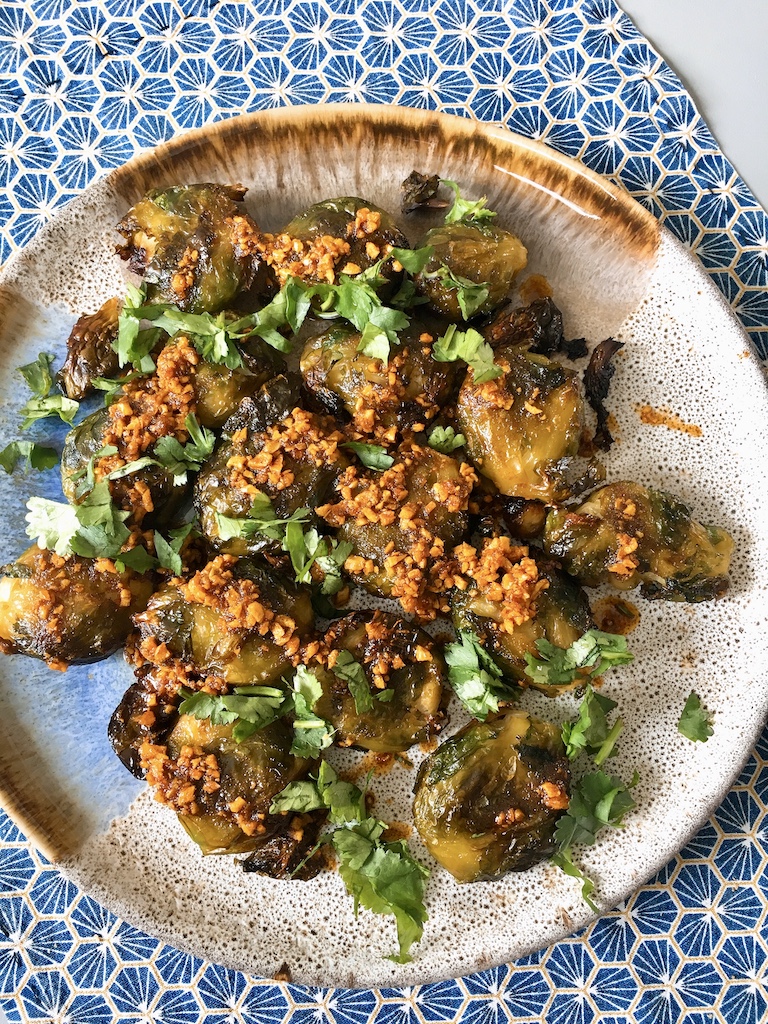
(384, 564)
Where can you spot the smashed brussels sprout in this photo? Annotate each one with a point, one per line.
(384, 693)
(627, 535)
(488, 799)
(523, 427)
(190, 243)
(233, 619)
(67, 610)
(381, 398)
(471, 270)
(89, 351)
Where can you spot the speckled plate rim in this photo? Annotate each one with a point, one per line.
(577, 182)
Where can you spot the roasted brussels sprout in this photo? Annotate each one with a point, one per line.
(151, 495)
(295, 462)
(469, 254)
(89, 351)
(398, 681)
(628, 535)
(381, 398)
(537, 327)
(367, 231)
(192, 244)
(232, 619)
(219, 390)
(221, 789)
(146, 714)
(523, 427)
(402, 524)
(67, 610)
(499, 514)
(488, 799)
(515, 599)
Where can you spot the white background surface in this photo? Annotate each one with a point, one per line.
(720, 50)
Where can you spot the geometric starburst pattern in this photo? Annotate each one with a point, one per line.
(83, 87)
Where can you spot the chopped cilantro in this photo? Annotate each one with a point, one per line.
(470, 346)
(310, 733)
(445, 440)
(93, 529)
(37, 456)
(261, 519)
(372, 456)
(469, 294)
(590, 655)
(695, 721)
(250, 707)
(590, 732)
(353, 674)
(381, 876)
(38, 375)
(179, 459)
(466, 211)
(475, 677)
(53, 405)
(597, 800)
(214, 337)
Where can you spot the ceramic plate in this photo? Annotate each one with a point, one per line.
(613, 271)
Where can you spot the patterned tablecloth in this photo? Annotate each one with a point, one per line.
(84, 86)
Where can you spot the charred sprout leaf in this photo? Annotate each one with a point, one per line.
(37, 456)
(695, 721)
(597, 380)
(419, 190)
(352, 673)
(445, 440)
(475, 677)
(590, 655)
(310, 733)
(467, 211)
(180, 459)
(93, 529)
(591, 732)
(383, 877)
(38, 375)
(372, 456)
(54, 405)
(250, 707)
(470, 346)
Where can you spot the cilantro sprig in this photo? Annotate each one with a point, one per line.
(598, 800)
(475, 677)
(591, 733)
(311, 734)
(43, 404)
(181, 459)
(381, 876)
(351, 672)
(250, 707)
(466, 211)
(445, 440)
(695, 721)
(37, 456)
(470, 346)
(93, 529)
(591, 655)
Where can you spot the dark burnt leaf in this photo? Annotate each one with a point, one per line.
(538, 326)
(287, 851)
(597, 381)
(419, 190)
(576, 348)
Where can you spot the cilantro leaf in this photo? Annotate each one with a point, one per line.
(467, 211)
(372, 456)
(133, 343)
(470, 346)
(590, 732)
(310, 733)
(52, 524)
(37, 375)
(93, 529)
(54, 405)
(412, 260)
(469, 294)
(445, 440)
(695, 721)
(111, 385)
(383, 877)
(214, 336)
(138, 559)
(475, 677)
(332, 562)
(353, 674)
(37, 456)
(564, 861)
(261, 519)
(179, 459)
(250, 707)
(591, 655)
